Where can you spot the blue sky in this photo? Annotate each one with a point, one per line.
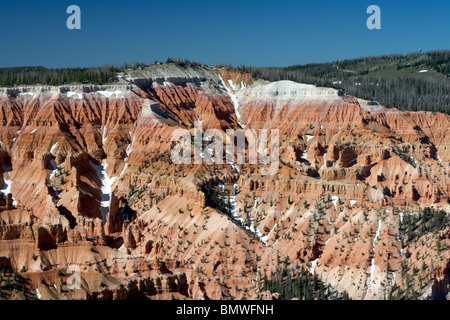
(262, 33)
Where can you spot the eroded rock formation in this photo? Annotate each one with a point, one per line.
(89, 182)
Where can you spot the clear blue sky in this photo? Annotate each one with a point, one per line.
(261, 33)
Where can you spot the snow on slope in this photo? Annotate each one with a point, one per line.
(53, 148)
(52, 174)
(234, 209)
(233, 99)
(107, 183)
(7, 189)
(372, 265)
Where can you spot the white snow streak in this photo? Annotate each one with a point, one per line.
(234, 100)
(230, 82)
(107, 183)
(372, 266)
(127, 154)
(53, 148)
(233, 204)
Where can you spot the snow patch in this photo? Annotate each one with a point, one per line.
(305, 157)
(52, 174)
(372, 265)
(109, 94)
(6, 189)
(127, 153)
(313, 265)
(104, 136)
(75, 95)
(265, 238)
(28, 94)
(377, 233)
(53, 148)
(234, 100)
(334, 199)
(235, 167)
(324, 161)
(233, 208)
(107, 183)
(230, 82)
(372, 271)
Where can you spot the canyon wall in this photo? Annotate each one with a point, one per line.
(88, 181)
